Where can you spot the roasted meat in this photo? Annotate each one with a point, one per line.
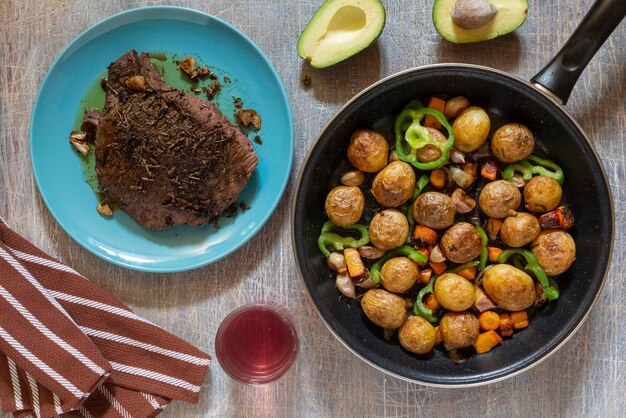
(164, 156)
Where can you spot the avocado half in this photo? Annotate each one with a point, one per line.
(511, 14)
(339, 29)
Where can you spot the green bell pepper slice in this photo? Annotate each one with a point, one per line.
(328, 238)
(408, 130)
(419, 308)
(533, 165)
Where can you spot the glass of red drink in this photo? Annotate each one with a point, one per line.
(257, 343)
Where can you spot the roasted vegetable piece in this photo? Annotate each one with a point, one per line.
(424, 235)
(344, 205)
(542, 194)
(482, 302)
(389, 229)
(506, 326)
(434, 210)
(438, 178)
(486, 341)
(383, 308)
(398, 274)
(405, 251)
(355, 265)
(549, 287)
(467, 272)
(493, 254)
(555, 251)
(489, 170)
(512, 142)
(419, 308)
(438, 268)
(489, 321)
(561, 218)
(437, 104)
(368, 150)
(471, 128)
(394, 184)
(499, 199)
(461, 243)
(331, 239)
(453, 292)
(520, 229)
(509, 287)
(417, 335)
(458, 329)
(519, 319)
(533, 165)
(493, 227)
(409, 131)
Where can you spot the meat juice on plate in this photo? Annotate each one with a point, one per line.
(256, 344)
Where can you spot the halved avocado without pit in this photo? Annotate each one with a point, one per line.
(340, 29)
(463, 21)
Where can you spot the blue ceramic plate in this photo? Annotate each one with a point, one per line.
(58, 169)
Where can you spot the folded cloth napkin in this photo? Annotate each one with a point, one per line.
(70, 348)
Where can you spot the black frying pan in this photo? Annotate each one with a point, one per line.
(558, 136)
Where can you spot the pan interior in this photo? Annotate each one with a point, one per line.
(585, 189)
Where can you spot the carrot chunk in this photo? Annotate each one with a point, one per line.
(489, 321)
(356, 268)
(493, 227)
(519, 319)
(431, 302)
(438, 178)
(436, 104)
(493, 254)
(423, 276)
(425, 235)
(438, 268)
(468, 273)
(506, 325)
(560, 218)
(489, 170)
(486, 341)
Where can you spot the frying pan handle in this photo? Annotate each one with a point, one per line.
(560, 75)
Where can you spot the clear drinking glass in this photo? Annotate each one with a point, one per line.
(257, 343)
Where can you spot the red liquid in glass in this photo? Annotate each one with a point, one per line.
(256, 344)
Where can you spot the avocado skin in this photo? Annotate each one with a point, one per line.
(377, 7)
(442, 20)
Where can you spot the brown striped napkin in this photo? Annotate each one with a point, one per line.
(70, 348)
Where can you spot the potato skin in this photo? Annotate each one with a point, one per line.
(394, 184)
(398, 274)
(417, 335)
(512, 142)
(368, 150)
(383, 308)
(499, 199)
(471, 129)
(389, 229)
(542, 194)
(555, 251)
(509, 287)
(458, 329)
(344, 205)
(520, 229)
(461, 243)
(454, 293)
(434, 210)
(430, 152)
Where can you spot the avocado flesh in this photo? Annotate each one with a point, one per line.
(340, 29)
(510, 16)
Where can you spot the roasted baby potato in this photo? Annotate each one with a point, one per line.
(434, 210)
(454, 293)
(417, 335)
(389, 229)
(471, 129)
(398, 274)
(383, 308)
(520, 229)
(542, 194)
(458, 329)
(344, 205)
(512, 142)
(499, 199)
(394, 184)
(509, 287)
(368, 150)
(555, 251)
(461, 243)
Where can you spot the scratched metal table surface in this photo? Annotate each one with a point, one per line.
(587, 377)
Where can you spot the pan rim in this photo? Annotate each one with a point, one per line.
(596, 156)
